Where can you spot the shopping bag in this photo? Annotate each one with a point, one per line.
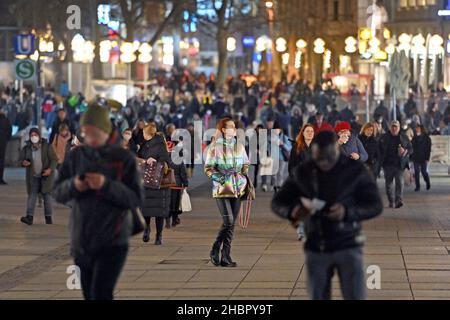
(407, 177)
(185, 203)
(266, 167)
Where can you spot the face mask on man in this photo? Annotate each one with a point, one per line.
(127, 137)
(34, 139)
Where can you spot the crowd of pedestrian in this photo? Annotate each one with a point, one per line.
(93, 157)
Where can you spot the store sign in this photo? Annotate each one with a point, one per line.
(446, 11)
(248, 41)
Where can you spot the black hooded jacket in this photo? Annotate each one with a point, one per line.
(348, 183)
(100, 219)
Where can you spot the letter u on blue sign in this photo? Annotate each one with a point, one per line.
(24, 44)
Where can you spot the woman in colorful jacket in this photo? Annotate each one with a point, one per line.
(227, 166)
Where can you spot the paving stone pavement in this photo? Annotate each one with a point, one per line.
(410, 245)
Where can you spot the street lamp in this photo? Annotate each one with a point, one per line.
(436, 43)
(127, 52)
(350, 45)
(83, 52)
(319, 46)
(418, 46)
(269, 4)
(231, 44)
(281, 45)
(405, 42)
(50, 47)
(145, 51)
(105, 48)
(263, 43)
(301, 44)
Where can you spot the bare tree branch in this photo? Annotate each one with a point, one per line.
(175, 9)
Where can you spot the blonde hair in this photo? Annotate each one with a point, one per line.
(150, 129)
(368, 125)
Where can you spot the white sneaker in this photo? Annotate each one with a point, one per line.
(264, 187)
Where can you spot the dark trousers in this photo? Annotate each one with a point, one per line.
(229, 210)
(421, 168)
(391, 174)
(255, 177)
(159, 221)
(36, 187)
(2, 159)
(99, 273)
(175, 199)
(349, 266)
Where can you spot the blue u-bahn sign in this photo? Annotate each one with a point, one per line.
(24, 44)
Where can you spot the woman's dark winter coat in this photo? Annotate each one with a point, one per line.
(156, 201)
(372, 148)
(296, 159)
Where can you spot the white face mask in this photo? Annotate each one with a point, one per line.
(34, 139)
(127, 137)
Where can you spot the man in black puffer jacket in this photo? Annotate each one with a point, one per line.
(102, 183)
(334, 237)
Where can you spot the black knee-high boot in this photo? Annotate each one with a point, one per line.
(159, 230)
(215, 251)
(146, 236)
(226, 260)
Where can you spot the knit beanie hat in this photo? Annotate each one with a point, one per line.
(98, 117)
(344, 125)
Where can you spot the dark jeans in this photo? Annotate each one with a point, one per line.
(36, 186)
(229, 210)
(349, 266)
(391, 174)
(421, 168)
(159, 221)
(99, 273)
